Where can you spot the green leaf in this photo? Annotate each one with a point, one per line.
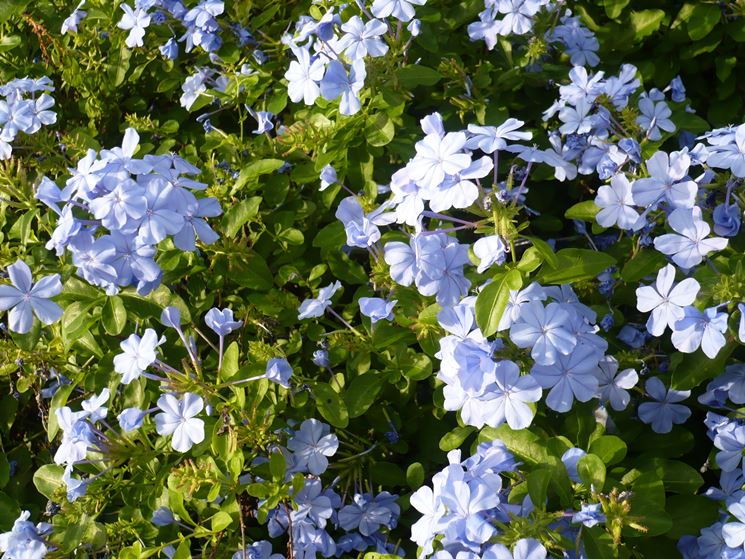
(379, 130)
(331, 237)
(415, 475)
(677, 476)
(411, 76)
(331, 406)
(492, 300)
(644, 263)
(48, 478)
(362, 392)
(613, 8)
(646, 22)
(455, 438)
(10, 8)
(696, 367)
(690, 513)
(221, 519)
(183, 551)
(703, 19)
(254, 170)
(545, 250)
(230, 361)
(240, 214)
(576, 264)
(598, 543)
(591, 470)
(114, 315)
(76, 319)
(9, 42)
(609, 448)
(538, 482)
(525, 445)
(251, 270)
(584, 211)
(277, 465)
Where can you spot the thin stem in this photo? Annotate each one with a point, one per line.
(444, 217)
(344, 322)
(219, 359)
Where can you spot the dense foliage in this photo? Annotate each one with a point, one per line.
(373, 278)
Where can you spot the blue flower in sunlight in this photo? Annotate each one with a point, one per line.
(137, 355)
(313, 308)
(689, 246)
(400, 9)
(526, 548)
(664, 412)
(178, 419)
(337, 82)
(136, 21)
(278, 370)
(311, 445)
(221, 321)
(377, 308)
(589, 515)
(70, 25)
(543, 329)
(571, 377)
(665, 300)
(24, 299)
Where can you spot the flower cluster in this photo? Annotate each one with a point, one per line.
(509, 18)
(201, 26)
(136, 203)
(330, 53)
(320, 510)
(25, 107)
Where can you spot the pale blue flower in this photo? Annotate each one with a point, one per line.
(137, 355)
(653, 117)
(311, 445)
(221, 321)
(314, 308)
(178, 419)
(734, 532)
(526, 548)
(589, 515)
(616, 204)
(664, 412)
(402, 10)
(24, 541)
(697, 329)
(571, 377)
(70, 25)
(689, 245)
(328, 177)
(613, 386)
(570, 459)
(337, 82)
(303, 76)
(26, 299)
(543, 330)
(362, 39)
(438, 156)
(668, 180)
(135, 21)
(489, 250)
(377, 308)
(490, 138)
(131, 419)
(508, 399)
(278, 370)
(665, 301)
